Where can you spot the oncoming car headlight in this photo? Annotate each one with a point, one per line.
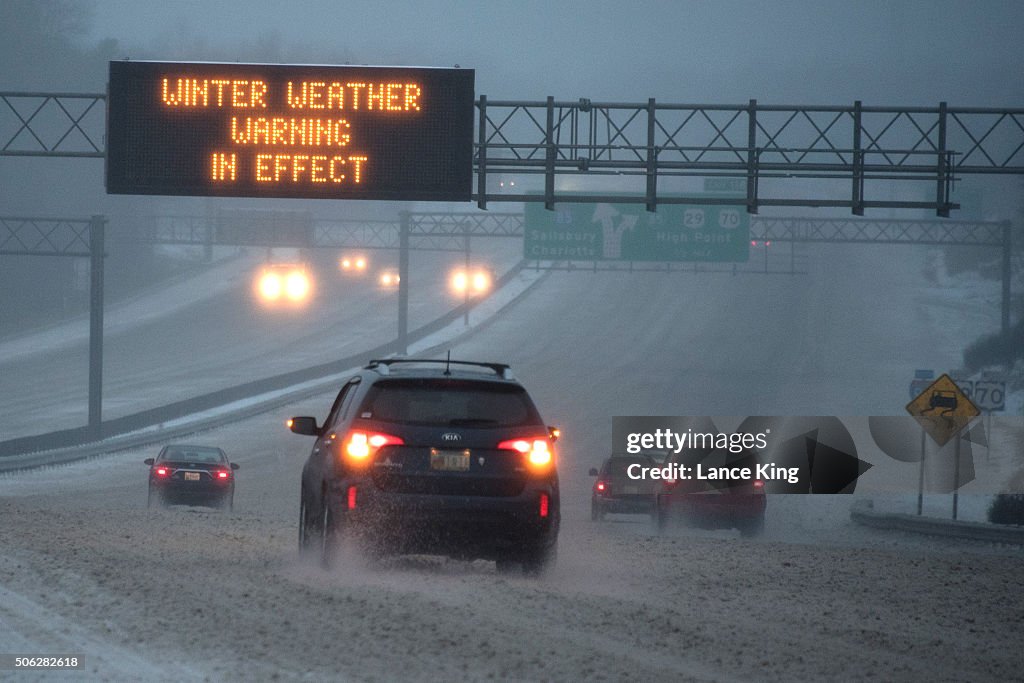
(270, 286)
(472, 282)
(283, 283)
(296, 286)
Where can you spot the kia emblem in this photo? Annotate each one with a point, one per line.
(450, 436)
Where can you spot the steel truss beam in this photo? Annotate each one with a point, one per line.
(429, 231)
(790, 263)
(759, 144)
(20, 236)
(52, 124)
(860, 230)
(446, 231)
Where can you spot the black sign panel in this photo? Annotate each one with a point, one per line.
(263, 130)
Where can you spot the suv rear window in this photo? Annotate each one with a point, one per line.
(449, 403)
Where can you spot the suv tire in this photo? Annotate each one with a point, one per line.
(328, 538)
(307, 528)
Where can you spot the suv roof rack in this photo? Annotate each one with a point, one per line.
(383, 365)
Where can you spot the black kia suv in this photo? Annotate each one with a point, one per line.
(435, 457)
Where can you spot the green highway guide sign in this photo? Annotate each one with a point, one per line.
(628, 232)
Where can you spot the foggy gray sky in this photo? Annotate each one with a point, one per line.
(793, 52)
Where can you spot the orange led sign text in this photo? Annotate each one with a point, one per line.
(290, 131)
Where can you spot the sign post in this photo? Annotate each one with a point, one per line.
(96, 254)
(942, 410)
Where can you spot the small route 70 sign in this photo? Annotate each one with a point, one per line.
(988, 395)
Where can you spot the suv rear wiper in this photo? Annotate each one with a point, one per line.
(471, 421)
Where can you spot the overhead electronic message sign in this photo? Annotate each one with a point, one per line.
(263, 130)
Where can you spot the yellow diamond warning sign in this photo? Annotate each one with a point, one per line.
(943, 409)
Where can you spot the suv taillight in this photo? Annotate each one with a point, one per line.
(536, 449)
(359, 446)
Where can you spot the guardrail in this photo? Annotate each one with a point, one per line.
(863, 513)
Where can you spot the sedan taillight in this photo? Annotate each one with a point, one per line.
(163, 471)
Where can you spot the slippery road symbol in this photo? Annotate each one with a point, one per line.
(942, 399)
(943, 409)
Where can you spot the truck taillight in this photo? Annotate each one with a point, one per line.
(544, 505)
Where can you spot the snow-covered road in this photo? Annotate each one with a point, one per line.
(194, 593)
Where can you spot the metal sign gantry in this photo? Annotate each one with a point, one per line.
(449, 226)
(39, 124)
(448, 231)
(865, 147)
(756, 142)
(76, 238)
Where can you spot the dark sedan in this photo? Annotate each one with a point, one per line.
(617, 492)
(195, 475)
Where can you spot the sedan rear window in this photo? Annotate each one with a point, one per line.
(193, 454)
(449, 403)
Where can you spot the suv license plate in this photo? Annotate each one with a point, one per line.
(191, 476)
(449, 461)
